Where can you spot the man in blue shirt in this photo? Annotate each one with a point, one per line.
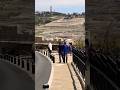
(60, 51)
(65, 52)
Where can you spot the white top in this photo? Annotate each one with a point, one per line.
(50, 46)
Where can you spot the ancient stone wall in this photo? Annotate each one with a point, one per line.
(103, 23)
(16, 25)
(18, 14)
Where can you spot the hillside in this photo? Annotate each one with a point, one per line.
(46, 17)
(62, 28)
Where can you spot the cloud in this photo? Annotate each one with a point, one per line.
(60, 2)
(68, 2)
(45, 4)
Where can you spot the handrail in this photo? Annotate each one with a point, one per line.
(22, 63)
(79, 62)
(79, 59)
(107, 78)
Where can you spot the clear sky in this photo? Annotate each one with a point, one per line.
(64, 6)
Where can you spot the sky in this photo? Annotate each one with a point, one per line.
(63, 6)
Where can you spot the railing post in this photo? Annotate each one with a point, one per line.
(11, 59)
(22, 62)
(44, 52)
(14, 60)
(19, 61)
(28, 65)
(33, 68)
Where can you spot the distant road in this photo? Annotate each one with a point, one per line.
(42, 70)
(12, 78)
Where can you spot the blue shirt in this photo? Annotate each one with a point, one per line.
(65, 49)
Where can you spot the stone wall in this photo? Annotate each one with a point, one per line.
(17, 20)
(103, 23)
(17, 25)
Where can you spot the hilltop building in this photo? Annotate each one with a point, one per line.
(51, 10)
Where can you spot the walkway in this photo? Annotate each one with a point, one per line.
(43, 68)
(12, 78)
(61, 78)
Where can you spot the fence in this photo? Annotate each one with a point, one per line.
(24, 63)
(79, 61)
(46, 53)
(103, 73)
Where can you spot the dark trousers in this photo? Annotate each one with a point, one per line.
(65, 57)
(50, 51)
(60, 57)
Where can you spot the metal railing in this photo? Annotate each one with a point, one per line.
(103, 73)
(25, 63)
(79, 61)
(100, 81)
(46, 53)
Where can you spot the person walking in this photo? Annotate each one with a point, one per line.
(70, 48)
(65, 52)
(50, 48)
(60, 52)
